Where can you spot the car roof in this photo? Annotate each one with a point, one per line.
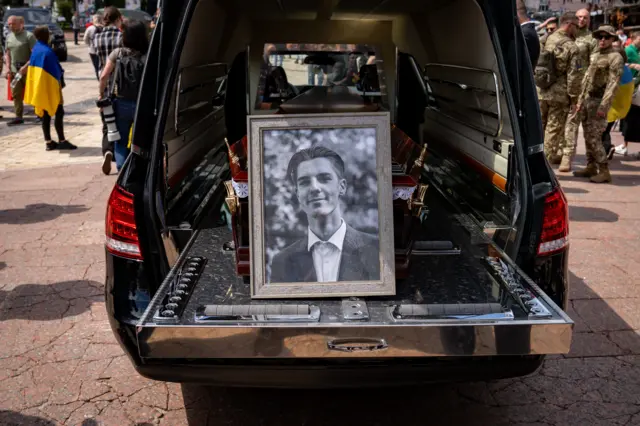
(21, 9)
(9, 12)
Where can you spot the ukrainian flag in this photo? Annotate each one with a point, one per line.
(621, 103)
(43, 87)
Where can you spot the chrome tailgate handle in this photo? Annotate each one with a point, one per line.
(357, 344)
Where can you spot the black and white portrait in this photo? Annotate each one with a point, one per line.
(320, 208)
(321, 215)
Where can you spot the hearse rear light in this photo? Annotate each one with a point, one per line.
(555, 224)
(121, 232)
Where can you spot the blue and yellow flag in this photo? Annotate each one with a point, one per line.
(621, 103)
(43, 87)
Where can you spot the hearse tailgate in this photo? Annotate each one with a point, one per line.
(356, 327)
(465, 298)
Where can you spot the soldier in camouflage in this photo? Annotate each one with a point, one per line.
(598, 87)
(588, 47)
(550, 27)
(584, 39)
(556, 99)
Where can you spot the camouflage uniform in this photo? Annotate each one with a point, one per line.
(588, 47)
(598, 87)
(556, 100)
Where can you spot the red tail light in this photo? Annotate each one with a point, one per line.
(121, 232)
(555, 224)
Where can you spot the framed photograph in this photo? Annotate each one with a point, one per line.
(320, 208)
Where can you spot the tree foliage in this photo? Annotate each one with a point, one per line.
(65, 9)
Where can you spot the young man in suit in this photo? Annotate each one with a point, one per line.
(332, 250)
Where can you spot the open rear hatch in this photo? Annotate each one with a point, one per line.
(463, 296)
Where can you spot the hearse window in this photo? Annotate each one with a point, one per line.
(201, 92)
(289, 70)
(467, 95)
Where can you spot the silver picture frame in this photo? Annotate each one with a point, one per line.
(261, 287)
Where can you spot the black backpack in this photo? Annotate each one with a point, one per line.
(128, 76)
(546, 73)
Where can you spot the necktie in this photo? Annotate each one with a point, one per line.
(323, 264)
(324, 248)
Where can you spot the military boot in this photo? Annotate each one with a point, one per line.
(587, 172)
(554, 158)
(565, 164)
(603, 176)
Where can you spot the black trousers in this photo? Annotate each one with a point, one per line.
(630, 126)
(46, 124)
(606, 137)
(96, 66)
(75, 36)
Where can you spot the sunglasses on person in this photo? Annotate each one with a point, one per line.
(604, 37)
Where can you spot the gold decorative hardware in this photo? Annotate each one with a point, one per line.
(232, 198)
(416, 170)
(416, 203)
(232, 155)
(423, 154)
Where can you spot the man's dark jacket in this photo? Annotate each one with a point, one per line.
(360, 260)
(533, 42)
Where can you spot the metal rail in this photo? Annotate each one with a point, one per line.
(466, 88)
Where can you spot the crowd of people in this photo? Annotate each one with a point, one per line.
(587, 78)
(117, 49)
(583, 78)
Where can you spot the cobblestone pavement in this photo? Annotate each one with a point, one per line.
(59, 363)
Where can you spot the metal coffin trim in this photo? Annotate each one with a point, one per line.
(437, 339)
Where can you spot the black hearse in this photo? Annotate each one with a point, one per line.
(484, 292)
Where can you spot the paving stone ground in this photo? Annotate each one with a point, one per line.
(59, 363)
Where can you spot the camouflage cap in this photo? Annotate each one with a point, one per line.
(607, 29)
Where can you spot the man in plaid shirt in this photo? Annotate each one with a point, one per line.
(104, 42)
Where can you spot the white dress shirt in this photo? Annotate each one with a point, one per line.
(327, 254)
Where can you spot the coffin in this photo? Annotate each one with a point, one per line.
(407, 164)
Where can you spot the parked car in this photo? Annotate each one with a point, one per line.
(33, 17)
(480, 291)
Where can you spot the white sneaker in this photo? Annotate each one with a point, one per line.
(622, 150)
